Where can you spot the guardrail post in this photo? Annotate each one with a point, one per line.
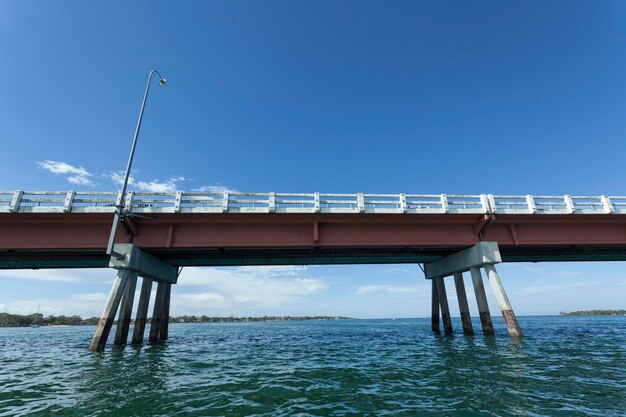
(485, 203)
(403, 207)
(128, 203)
(178, 200)
(69, 199)
(316, 202)
(569, 204)
(360, 203)
(530, 201)
(492, 203)
(118, 200)
(272, 202)
(15, 201)
(225, 202)
(444, 203)
(607, 205)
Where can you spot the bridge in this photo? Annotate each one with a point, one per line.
(162, 232)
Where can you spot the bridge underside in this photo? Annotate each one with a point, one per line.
(78, 240)
(33, 259)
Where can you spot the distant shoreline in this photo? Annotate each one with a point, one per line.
(594, 313)
(18, 320)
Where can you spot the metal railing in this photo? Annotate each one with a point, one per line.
(182, 202)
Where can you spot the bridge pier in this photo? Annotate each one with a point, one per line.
(435, 307)
(158, 313)
(466, 319)
(142, 311)
(482, 255)
(123, 321)
(136, 263)
(503, 301)
(108, 314)
(443, 303)
(481, 301)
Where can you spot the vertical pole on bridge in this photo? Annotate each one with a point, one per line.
(435, 307)
(165, 314)
(142, 311)
(126, 310)
(157, 312)
(443, 302)
(466, 320)
(503, 301)
(108, 314)
(481, 300)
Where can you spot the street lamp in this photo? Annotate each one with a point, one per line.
(119, 214)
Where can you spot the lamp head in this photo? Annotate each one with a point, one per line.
(163, 82)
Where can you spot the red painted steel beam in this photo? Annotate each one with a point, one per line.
(90, 231)
(174, 236)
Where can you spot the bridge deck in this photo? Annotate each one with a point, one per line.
(68, 240)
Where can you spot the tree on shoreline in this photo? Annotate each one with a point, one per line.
(18, 320)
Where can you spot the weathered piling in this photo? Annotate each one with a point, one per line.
(435, 307)
(165, 314)
(110, 309)
(481, 301)
(142, 311)
(466, 319)
(157, 312)
(503, 301)
(443, 303)
(126, 310)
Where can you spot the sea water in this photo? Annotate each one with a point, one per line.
(564, 366)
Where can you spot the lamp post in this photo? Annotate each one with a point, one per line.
(119, 207)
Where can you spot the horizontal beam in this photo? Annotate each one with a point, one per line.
(304, 256)
(482, 253)
(29, 240)
(144, 264)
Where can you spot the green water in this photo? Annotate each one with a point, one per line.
(569, 366)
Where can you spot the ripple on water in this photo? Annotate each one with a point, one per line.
(565, 366)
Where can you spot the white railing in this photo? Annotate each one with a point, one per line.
(182, 202)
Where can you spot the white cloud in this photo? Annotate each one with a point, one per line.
(215, 189)
(394, 289)
(91, 276)
(96, 296)
(76, 175)
(247, 288)
(155, 186)
(203, 296)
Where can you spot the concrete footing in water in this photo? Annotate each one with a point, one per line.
(482, 255)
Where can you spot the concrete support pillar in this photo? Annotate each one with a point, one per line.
(443, 302)
(157, 312)
(481, 300)
(142, 311)
(126, 310)
(503, 301)
(435, 307)
(466, 320)
(165, 314)
(110, 309)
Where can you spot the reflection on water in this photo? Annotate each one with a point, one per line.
(564, 366)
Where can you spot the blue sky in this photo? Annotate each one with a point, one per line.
(303, 96)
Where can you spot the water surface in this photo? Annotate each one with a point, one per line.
(569, 366)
